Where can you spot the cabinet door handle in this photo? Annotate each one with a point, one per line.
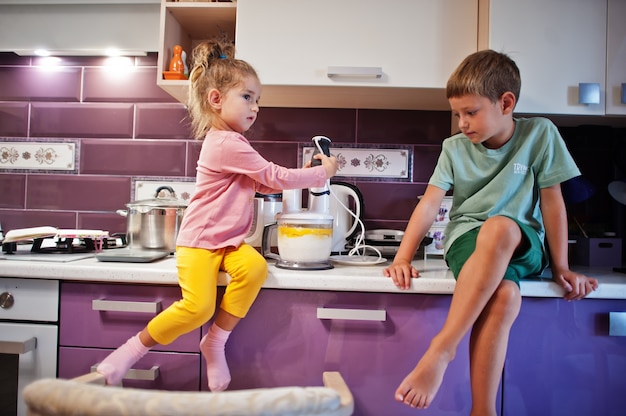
(125, 306)
(135, 374)
(354, 71)
(589, 93)
(17, 347)
(617, 324)
(352, 314)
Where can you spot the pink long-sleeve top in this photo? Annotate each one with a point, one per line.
(229, 173)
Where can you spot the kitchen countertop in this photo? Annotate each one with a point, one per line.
(435, 277)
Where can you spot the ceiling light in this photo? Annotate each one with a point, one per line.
(80, 52)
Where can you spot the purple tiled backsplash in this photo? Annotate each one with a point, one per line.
(127, 127)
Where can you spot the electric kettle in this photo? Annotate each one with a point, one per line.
(345, 196)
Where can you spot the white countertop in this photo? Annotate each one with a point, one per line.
(435, 277)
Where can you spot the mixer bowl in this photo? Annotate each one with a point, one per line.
(309, 243)
(304, 241)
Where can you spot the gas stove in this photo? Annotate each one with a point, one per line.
(63, 246)
(58, 245)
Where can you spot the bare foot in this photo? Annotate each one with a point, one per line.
(418, 389)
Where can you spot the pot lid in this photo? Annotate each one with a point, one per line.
(303, 217)
(163, 202)
(164, 197)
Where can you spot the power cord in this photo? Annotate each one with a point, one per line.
(358, 245)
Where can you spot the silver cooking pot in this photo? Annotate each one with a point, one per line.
(153, 224)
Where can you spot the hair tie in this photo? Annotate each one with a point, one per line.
(222, 56)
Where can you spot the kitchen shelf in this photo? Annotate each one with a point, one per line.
(187, 24)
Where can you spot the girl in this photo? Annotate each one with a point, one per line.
(223, 103)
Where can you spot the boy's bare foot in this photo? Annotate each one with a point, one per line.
(418, 389)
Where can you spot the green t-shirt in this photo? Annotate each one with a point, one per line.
(504, 181)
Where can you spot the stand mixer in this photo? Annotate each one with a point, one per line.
(304, 235)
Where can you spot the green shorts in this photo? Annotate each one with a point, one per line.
(529, 261)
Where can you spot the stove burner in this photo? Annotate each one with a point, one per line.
(65, 245)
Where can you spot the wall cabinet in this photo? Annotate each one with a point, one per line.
(323, 53)
(97, 318)
(349, 54)
(562, 361)
(291, 336)
(616, 58)
(558, 44)
(187, 23)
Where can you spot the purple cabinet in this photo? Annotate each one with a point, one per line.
(562, 360)
(97, 318)
(157, 370)
(280, 342)
(290, 336)
(106, 315)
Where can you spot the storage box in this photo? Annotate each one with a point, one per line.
(443, 217)
(436, 247)
(598, 252)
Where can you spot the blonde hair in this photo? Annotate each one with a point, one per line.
(485, 73)
(213, 66)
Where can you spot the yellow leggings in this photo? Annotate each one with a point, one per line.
(197, 276)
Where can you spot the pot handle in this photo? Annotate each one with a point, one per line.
(266, 242)
(166, 188)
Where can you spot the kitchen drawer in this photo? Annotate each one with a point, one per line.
(18, 296)
(119, 312)
(171, 371)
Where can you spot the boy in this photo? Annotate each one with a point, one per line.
(506, 175)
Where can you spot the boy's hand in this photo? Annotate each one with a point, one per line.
(576, 285)
(401, 272)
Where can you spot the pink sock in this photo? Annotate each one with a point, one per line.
(212, 347)
(115, 366)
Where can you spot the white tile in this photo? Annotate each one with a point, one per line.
(59, 156)
(367, 162)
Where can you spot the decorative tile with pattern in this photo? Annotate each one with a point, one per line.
(46, 156)
(370, 162)
(147, 189)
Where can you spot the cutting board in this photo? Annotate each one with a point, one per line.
(23, 234)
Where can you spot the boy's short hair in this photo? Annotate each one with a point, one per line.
(486, 73)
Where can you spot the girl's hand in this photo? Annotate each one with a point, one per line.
(576, 285)
(329, 162)
(401, 272)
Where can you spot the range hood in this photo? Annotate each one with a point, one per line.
(79, 27)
